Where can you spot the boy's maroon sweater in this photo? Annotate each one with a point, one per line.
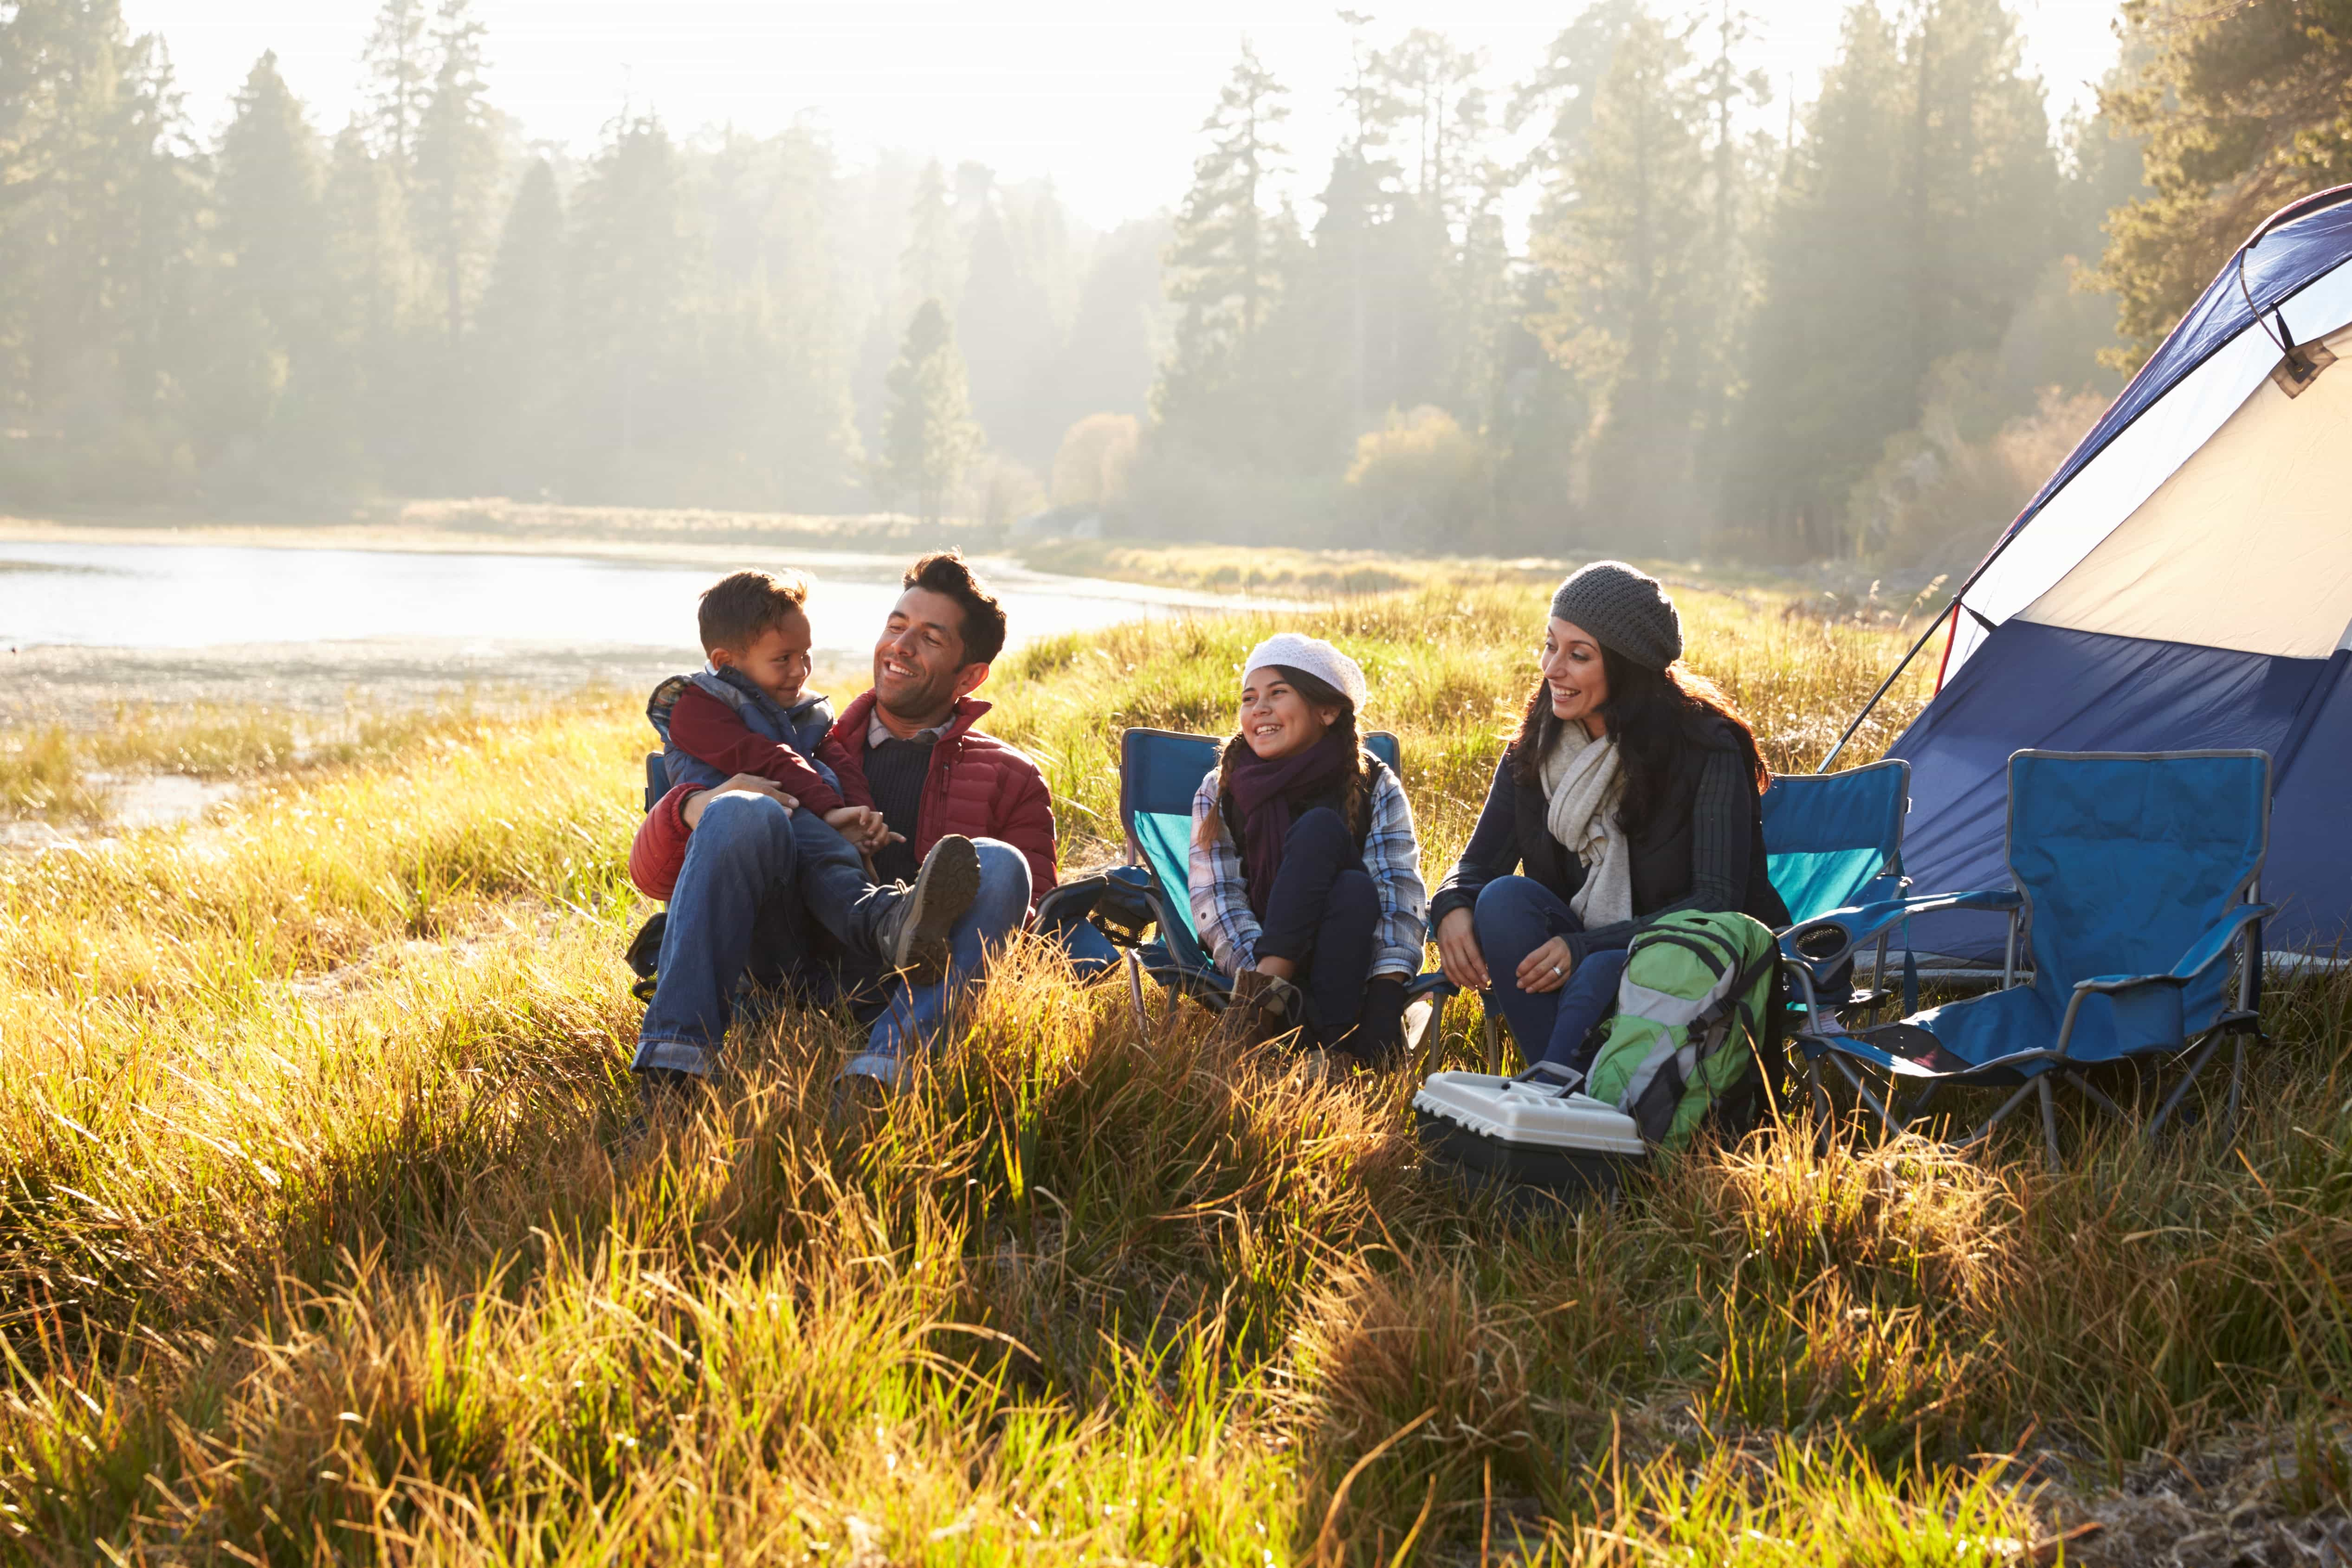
(709, 731)
(977, 786)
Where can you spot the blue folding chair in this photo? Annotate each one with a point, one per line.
(2135, 876)
(1159, 772)
(1834, 841)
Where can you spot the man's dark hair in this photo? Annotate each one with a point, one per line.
(741, 605)
(944, 572)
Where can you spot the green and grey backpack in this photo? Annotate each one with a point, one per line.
(1694, 1023)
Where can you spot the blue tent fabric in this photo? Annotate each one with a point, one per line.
(2287, 262)
(2030, 684)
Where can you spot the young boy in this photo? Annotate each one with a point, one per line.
(744, 712)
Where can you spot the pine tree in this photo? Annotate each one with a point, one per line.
(1559, 96)
(930, 268)
(1623, 246)
(351, 389)
(2241, 108)
(519, 338)
(1918, 213)
(927, 436)
(457, 164)
(775, 396)
(397, 59)
(99, 210)
(1006, 330)
(157, 241)
(264, 322)
(632, 281)
(1724, 292)
(1225, 261)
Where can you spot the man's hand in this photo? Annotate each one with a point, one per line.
(864, 827)
(741, 784)
(1546, 968)
(1457, 951)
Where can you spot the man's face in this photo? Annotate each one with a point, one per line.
(919, 664)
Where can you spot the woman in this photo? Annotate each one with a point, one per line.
(1632, 790)
(1306, 875)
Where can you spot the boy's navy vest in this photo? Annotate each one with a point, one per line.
(799, 727)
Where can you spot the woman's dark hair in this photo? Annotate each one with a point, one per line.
(1655, 717)
(1318, 692)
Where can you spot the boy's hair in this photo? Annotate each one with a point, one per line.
(741, 605)
(944, 571)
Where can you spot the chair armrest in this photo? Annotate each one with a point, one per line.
(1865, 921)
(1431, 983)
(2201, 957)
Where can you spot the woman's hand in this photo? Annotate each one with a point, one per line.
(1548, 967)
(741, 784)
(1457, 951)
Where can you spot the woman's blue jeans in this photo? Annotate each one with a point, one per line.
(1515, 915)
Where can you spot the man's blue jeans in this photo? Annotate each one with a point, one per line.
(1515, 915)
(912, 1016)
(781, 898)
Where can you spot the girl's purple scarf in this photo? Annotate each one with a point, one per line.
(1266, 795)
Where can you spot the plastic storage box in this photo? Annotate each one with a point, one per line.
(1496, 1131)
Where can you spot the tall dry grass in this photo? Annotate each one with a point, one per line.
(318, 1240)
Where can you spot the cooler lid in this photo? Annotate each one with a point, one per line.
(1529, 1114)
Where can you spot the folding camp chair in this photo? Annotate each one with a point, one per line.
(1159, 772)
(2135, 876)
(1834, 841)
(656, 779)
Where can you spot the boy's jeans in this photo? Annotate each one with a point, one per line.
(781, 897)
(1515, 915)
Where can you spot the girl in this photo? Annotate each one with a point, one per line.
(1306, 875)
(1631, 790)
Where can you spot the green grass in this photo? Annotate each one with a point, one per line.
(62, 772)
(319, 1242)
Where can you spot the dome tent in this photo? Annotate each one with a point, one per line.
(2183, 581)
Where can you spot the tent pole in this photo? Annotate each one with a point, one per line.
(1885, 686)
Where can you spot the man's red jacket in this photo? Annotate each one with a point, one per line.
(978, 786)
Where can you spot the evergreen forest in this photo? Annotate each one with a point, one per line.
(1635, 301)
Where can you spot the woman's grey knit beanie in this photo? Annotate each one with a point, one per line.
(1627, 613)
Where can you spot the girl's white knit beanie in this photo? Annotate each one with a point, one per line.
(1316, 657)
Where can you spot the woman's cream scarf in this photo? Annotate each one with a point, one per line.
(1582, 781)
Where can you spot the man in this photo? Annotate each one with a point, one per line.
(975, 826)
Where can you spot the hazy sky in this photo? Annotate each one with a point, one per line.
(1107, 98)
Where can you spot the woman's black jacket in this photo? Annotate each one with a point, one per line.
(1702, 849)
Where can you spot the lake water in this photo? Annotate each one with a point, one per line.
(193, 597)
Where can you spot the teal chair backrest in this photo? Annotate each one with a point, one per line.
(1833, 841)
(1159, 772)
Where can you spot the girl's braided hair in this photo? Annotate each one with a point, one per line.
(1356, 806)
